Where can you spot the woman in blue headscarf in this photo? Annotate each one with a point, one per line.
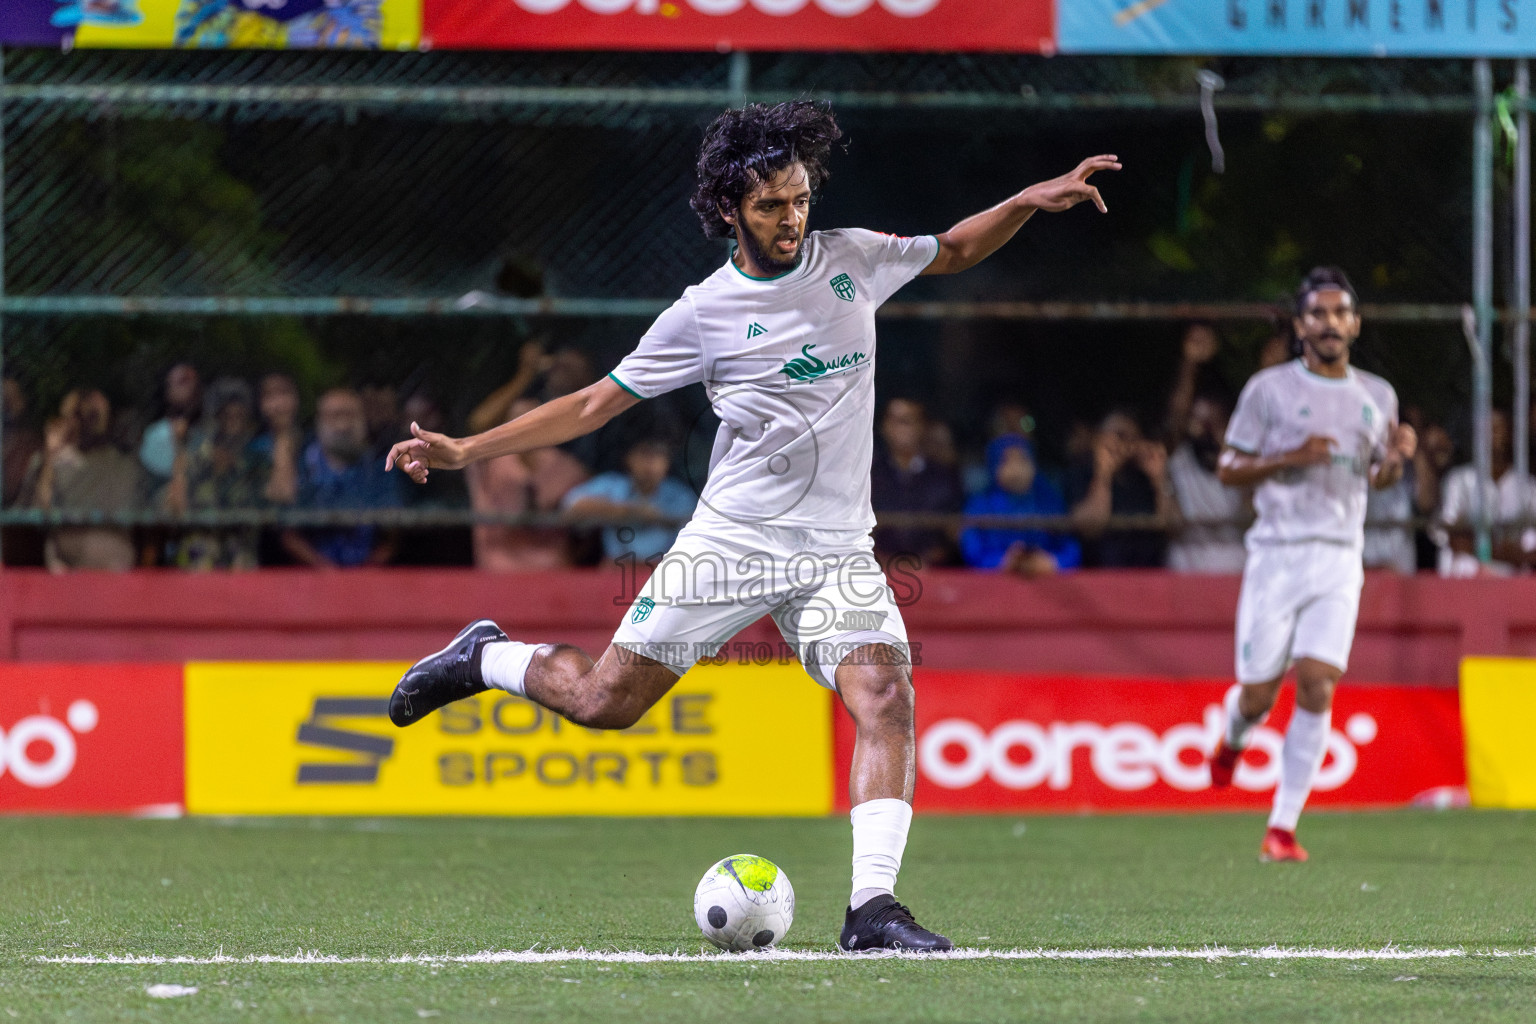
(1015, 488)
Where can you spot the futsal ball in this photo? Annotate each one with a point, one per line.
(744, 902)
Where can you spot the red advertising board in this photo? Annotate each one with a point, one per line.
(1006, 743)
(1017, 26)
(91, 738)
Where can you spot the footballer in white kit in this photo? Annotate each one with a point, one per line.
(782, 338)
(1310, 436)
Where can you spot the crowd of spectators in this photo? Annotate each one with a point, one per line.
(180, 490)
(1129, 490)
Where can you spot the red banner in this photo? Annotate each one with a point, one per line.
(1018, 26)
(1004, 743)
(91, 738)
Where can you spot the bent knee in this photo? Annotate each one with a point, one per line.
(1258, 698)
(1315, 683)
(1315, 695)
(878, 693)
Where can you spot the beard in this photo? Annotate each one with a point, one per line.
(767, 260)
(1326, 357)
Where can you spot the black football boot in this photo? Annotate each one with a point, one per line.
(882, 923)
(451, 674)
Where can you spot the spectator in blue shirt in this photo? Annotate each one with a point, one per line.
(1017, 488)
(337, 472)
(642, 491)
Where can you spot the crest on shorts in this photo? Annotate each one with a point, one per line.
(842, 284)
(642, 610)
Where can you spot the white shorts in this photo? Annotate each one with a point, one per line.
(823, 588)
(1299, 600)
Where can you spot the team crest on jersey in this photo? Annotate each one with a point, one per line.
(755, 330)
(807, 367)
(1365, 414)
(642, 610)
(842, 284)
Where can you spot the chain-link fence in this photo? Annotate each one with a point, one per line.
(414, 216)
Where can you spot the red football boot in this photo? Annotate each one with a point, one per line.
(1281, 846)
(1223, 763)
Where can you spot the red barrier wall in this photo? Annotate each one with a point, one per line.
(1412, 629)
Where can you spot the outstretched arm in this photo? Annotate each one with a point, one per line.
(554, 422)
(979, 236)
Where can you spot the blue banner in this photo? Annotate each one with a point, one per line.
(1367, 28)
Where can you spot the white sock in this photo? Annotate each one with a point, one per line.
(1306, 742)
(503, 663)
(1238, 727)
(879, 837)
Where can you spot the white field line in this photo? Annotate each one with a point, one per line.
(562, 956)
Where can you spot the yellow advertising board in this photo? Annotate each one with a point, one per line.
(1498, 712)
(262, 24)
(298, 738)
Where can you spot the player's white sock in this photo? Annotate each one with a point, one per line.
(879, 837)
(1238, 727)
(1306, 742)
(503, 663)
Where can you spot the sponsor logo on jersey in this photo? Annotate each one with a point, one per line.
(1305, 410)
(756, 330)
(642, 610)
(807, 367)
(842, 284)
(1365, 414)
(1354, 463)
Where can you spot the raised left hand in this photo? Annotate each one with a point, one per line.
(1071, 188)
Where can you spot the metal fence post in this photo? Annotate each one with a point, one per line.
(1521, 354)
(1482, 301)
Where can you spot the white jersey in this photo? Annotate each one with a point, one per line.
(1278, 410)
(789, 365)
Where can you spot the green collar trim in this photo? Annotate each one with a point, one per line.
(775, 277)
(1349, 373)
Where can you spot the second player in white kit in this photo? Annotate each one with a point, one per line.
(1310, 436)
(782, 337)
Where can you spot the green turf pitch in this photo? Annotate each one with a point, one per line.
(380, 888)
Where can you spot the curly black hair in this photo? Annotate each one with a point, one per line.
(746, 147)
